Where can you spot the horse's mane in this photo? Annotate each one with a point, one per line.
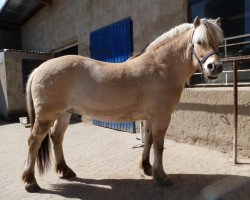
(169, 34)
(211, 33)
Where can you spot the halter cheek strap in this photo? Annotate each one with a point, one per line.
(203, 60)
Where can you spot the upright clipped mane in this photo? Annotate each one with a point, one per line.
(208, 32)
(171, 33)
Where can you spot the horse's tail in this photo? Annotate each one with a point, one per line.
(29, 100)
(43, 156)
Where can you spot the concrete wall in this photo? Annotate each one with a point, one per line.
(205, 117)
(3, 86)
(12, 97)
(67, 22)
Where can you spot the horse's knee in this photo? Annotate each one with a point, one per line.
(158, 149)
(60, 127)
(41, 127)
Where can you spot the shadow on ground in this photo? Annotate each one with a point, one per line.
(5, 122)
(187, 186)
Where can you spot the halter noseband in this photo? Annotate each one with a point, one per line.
(203, 60)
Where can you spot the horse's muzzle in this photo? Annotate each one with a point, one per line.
(214, 69)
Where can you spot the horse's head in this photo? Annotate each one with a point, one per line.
(206, 38)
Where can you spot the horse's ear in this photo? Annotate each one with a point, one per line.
(218, 21)
(196, 22)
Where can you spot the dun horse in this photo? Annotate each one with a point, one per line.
(146, 87)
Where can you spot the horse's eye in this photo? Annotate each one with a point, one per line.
(199, 42)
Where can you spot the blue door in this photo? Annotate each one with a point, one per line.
(113, 43)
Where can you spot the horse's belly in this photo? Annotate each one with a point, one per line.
(109, 104)
(118, 117)
(118, 114)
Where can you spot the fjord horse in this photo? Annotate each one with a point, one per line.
(145, 87)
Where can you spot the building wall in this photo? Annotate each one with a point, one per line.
(67, 22)
(52, 27)
(12, 97)
(205, 116)
(3, 87)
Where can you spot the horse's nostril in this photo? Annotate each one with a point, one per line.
(210, 66)
(220, 68)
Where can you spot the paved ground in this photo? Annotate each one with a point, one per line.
(107, 168)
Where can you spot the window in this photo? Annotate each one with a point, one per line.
(28, 65)
(234, 14)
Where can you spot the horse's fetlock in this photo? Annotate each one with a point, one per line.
(146, 167)
(65, 171)
(28, 177)
(61, 167)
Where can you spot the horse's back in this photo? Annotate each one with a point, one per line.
(87, 85)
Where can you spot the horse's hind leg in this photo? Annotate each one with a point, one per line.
(159, 127)
(148, 140)
(57, 136)
(38, 134)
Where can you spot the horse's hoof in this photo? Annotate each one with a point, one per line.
(32, 187)
(162, 179)
(148, 171)
(69, 173)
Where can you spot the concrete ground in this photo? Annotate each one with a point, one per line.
(107, 168)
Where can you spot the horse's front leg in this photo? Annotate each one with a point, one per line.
(148, 140)
(159, 127)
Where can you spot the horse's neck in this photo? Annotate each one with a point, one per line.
(176, 54)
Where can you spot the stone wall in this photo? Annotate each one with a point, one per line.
(205, 117)
(3, 87)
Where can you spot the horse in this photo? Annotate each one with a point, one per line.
(145, 87)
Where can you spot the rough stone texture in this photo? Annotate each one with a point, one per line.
(107, 168)
(3, 88)
(69, 22)
(205, 116)
(12, 97)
